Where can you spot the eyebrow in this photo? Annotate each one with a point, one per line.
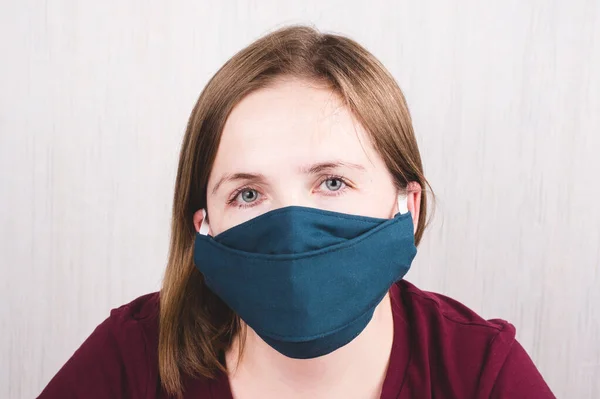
(237, 176)
(323, 166)
(310, 169)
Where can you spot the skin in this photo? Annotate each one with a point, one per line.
(295, 143)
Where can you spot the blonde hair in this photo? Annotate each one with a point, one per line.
(196, 327)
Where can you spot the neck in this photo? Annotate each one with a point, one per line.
(356, 370)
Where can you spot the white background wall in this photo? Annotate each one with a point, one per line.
(505, 95)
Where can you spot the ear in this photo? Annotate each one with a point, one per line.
(198, 218)
(413, 201)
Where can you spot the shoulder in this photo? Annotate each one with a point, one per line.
(118, 359)
(133, 327)
(458, 351)
(142, 309)
(439, 308)
(449, 323)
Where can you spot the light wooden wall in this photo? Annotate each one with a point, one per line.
(505, 97)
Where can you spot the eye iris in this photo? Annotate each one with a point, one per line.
(333, 184)
(248, 195)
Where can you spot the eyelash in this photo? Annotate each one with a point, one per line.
(236, 193)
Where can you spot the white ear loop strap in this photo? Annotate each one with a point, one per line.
(402, 204)
(204, 225)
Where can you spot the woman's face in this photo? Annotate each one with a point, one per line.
(294, 143)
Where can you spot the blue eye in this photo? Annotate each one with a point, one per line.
(334, 184)
(248, 195)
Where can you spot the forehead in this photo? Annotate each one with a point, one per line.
(290, 123)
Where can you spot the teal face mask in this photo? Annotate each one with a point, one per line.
(306, 280)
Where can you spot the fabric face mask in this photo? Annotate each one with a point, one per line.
(307, 280)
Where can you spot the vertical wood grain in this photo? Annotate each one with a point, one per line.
(505, 98)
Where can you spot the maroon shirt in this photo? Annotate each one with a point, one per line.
(441, 349)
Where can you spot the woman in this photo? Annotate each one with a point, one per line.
(298, 206)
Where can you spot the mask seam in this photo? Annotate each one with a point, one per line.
(285, 257)
(276, 212)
